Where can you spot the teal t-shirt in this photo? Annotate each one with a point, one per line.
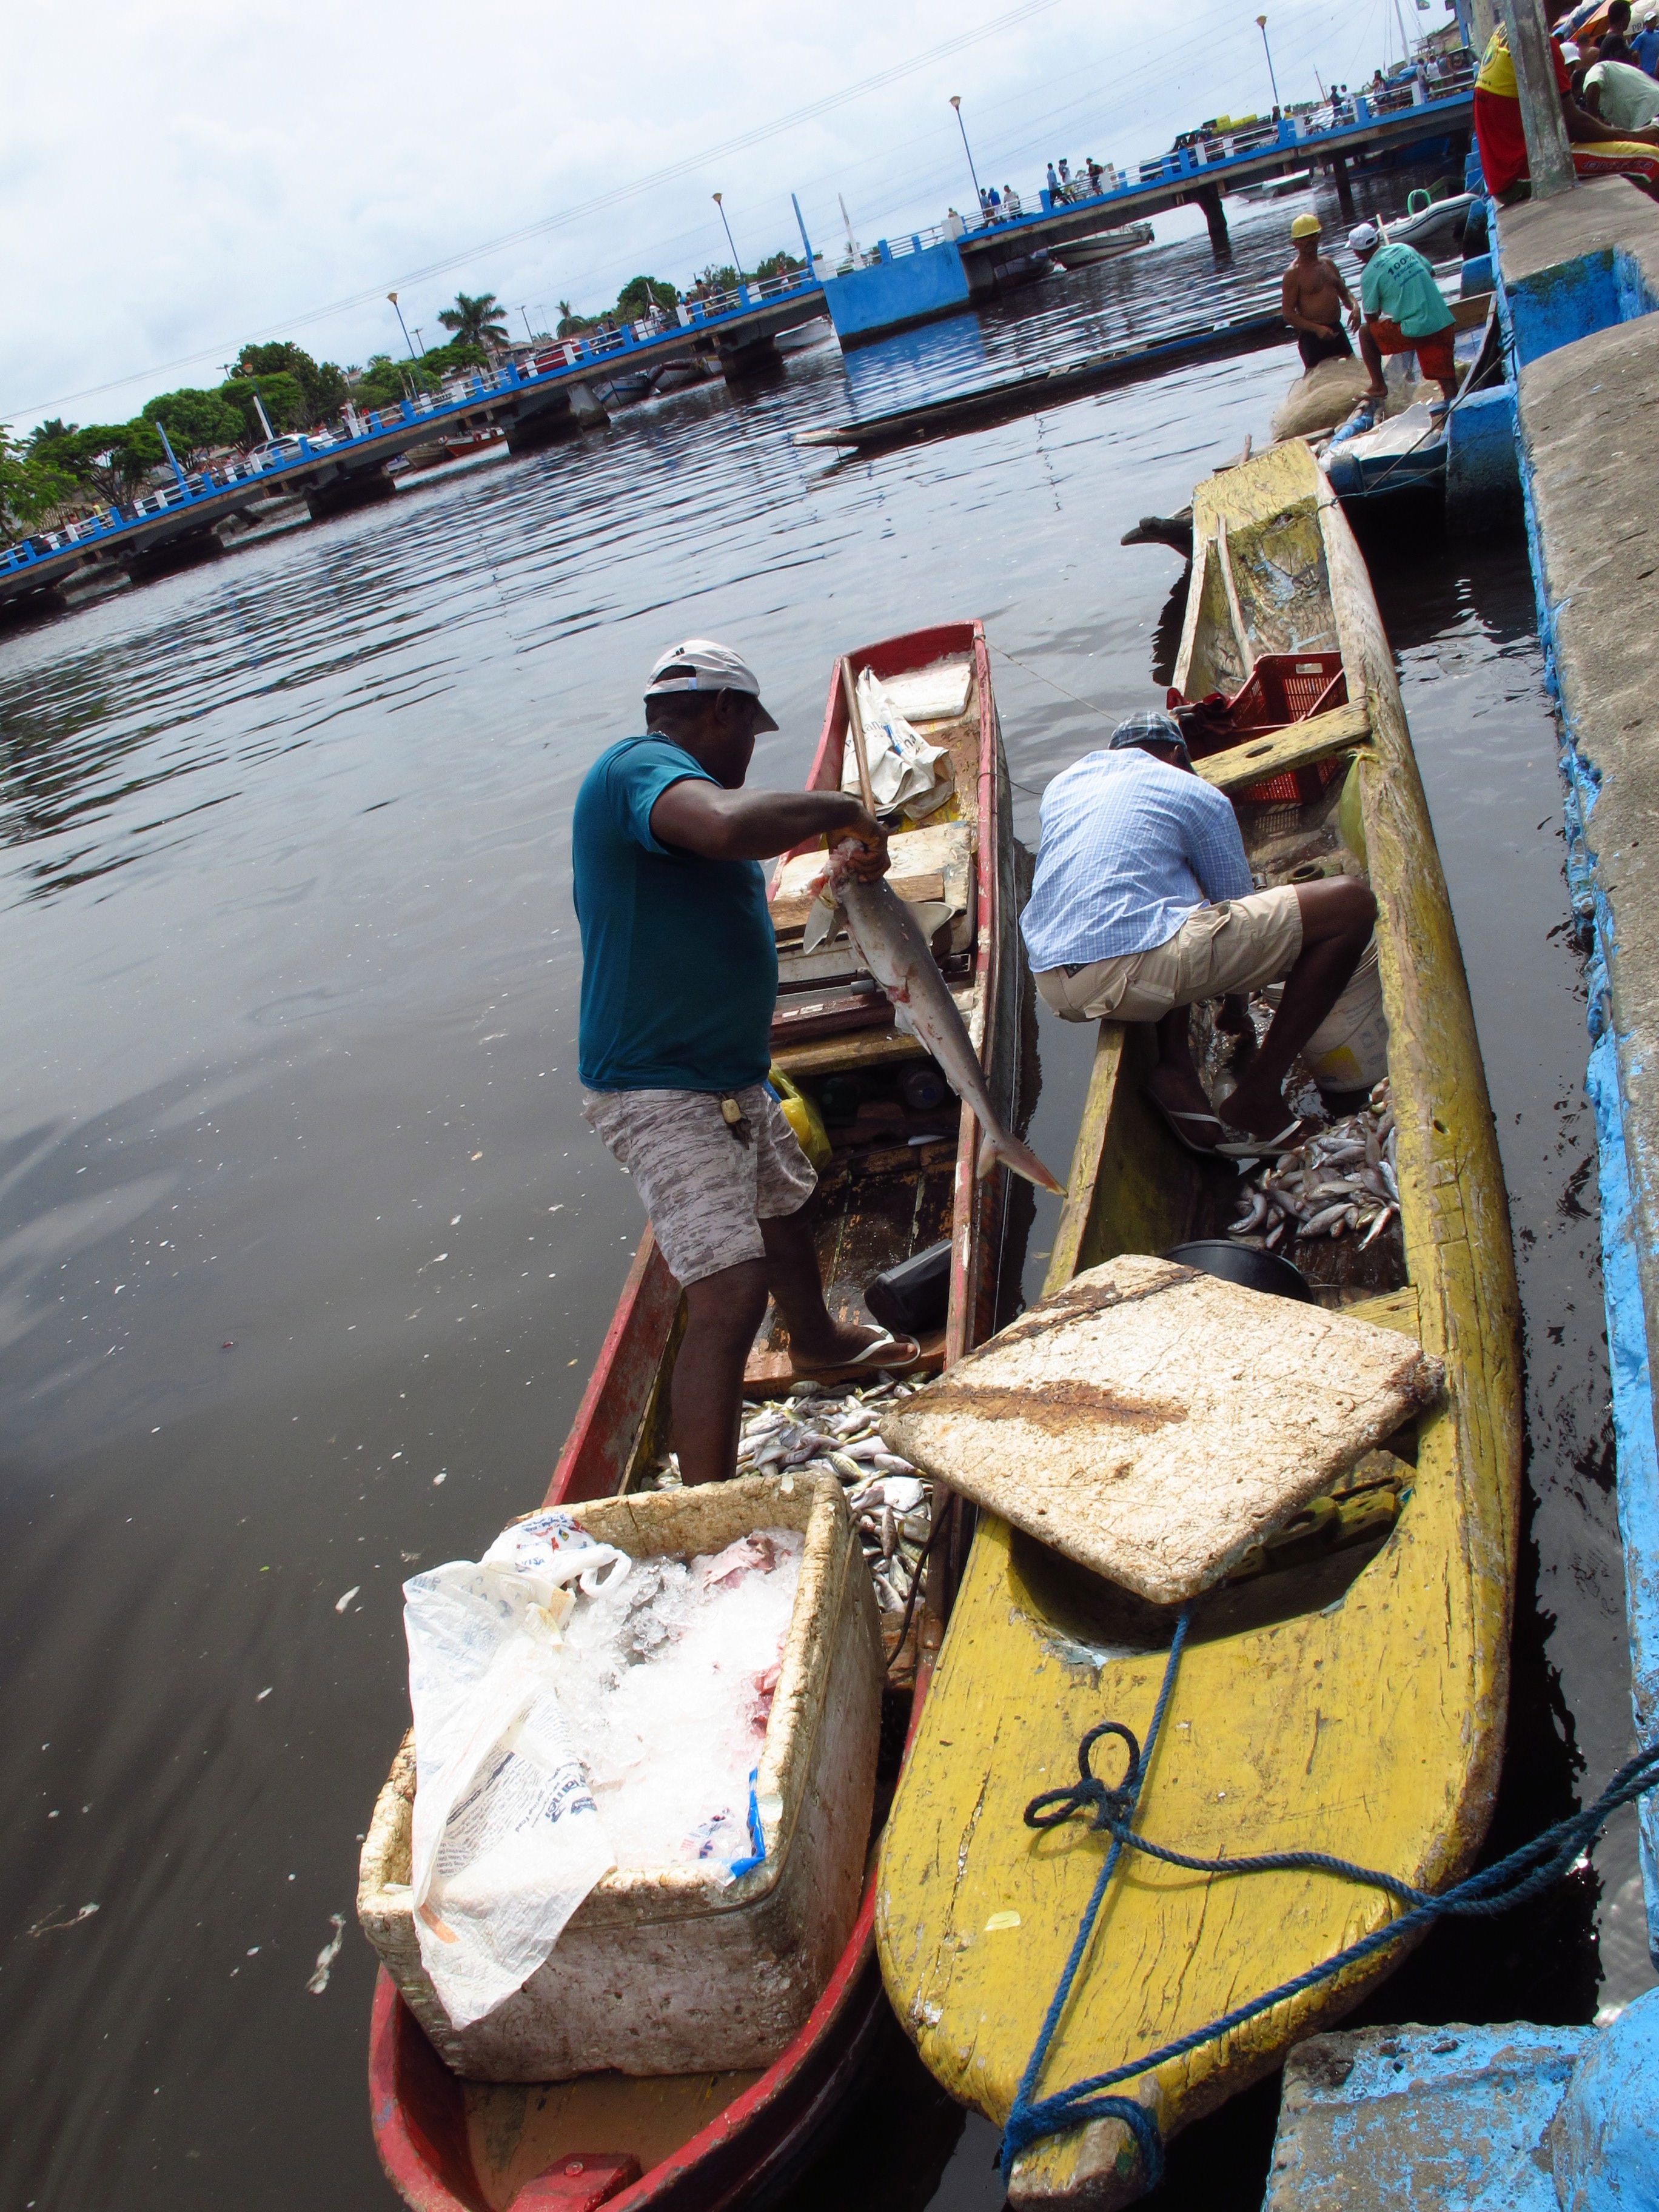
(679, 963)
(1398, 283)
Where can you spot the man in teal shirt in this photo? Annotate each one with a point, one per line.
(1403, 311)
(679, 981)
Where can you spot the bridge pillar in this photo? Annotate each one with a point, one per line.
(751, 356)
(1208, 197)
(144, 563)
(339, 495)
(557, 416)
(1344, 188)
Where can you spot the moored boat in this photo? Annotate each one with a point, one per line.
(896, 1181)
(1344, 1692)
(1105, 245)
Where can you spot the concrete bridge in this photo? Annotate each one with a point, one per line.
(940, 271)
(551, 396)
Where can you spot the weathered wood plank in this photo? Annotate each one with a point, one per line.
(1338, 730)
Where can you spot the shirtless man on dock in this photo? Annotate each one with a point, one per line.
(1314, 297)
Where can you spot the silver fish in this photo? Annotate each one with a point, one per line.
(1322, 1222)
(896, 952)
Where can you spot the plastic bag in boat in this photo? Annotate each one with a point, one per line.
(903, 767)
(507, 1840)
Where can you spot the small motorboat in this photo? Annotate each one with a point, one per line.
(1103, 245)
(1347, 1693)
(1440, 221)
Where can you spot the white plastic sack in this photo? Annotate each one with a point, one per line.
(507, 1840)
(903, 767)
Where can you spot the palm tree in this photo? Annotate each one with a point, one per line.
(476, 321)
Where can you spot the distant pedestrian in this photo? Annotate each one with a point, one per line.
(1054, 183)
(1064, 170)
(1644, 45)
(1403, 311)
(1615, 40)
(1095, 172)
(1013, 205)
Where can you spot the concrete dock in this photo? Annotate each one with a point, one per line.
(1578, 282)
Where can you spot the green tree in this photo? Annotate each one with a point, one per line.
(640, 293)
(195, 423)
(475, 320)
(282, 398)
(110, 459)
(724, 278)
(781, 263)
(30, 486)
(322, 383)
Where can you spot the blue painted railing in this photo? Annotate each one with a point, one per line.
(560, 361)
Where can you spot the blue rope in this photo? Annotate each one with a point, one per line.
(1524, 1874)
(755, 1855)
(1024, 2126)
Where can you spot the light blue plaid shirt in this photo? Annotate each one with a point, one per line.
(1130, 848)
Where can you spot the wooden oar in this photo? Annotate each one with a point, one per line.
(855, 731)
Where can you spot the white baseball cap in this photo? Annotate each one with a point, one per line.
(1362, 237)
(698, 664)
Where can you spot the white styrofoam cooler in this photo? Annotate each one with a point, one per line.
(660, 1971)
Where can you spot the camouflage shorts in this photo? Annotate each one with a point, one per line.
(705, 1192)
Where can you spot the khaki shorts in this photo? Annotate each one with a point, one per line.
(1235, 947)
(706, 1194)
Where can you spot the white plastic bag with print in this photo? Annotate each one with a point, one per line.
(904, 772)
(507, 1840)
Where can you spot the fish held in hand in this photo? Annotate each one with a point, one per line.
(892, 947)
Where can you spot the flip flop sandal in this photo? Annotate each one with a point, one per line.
(1295, 1131)
(1174, 1117)
(884, 1352)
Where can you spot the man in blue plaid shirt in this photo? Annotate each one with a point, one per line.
(1144, 904)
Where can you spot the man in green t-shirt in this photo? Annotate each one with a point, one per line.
(1403, 310)
(680, 981)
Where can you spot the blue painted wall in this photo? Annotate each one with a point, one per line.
(1556, 306)
(1559, 305)
(1483, 475)
(909, 289)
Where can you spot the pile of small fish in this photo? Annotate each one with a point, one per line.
(1344, 1179)
(824, 1428)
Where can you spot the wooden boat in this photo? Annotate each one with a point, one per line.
(1103, 245)
(707, 2141)
(1350, 1698)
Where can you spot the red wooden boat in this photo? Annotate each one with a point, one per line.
(712, 2141)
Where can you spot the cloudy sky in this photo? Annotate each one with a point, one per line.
(180, 178)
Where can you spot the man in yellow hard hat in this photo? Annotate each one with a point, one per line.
(1315, 296)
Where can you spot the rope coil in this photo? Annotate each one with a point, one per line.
(1520, 1875)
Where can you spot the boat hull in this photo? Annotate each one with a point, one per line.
(1356, 1707)
(705, 2143)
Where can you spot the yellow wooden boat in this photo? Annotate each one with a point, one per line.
(1347, 1698)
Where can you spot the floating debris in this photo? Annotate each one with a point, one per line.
(325, 1958)
(53, 1927)
(1343, 1180)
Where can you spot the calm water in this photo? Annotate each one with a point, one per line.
(292, 979)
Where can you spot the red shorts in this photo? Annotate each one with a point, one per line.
(1434, 352)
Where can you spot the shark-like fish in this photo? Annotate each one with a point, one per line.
(891, 944)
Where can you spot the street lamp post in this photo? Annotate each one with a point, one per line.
(1262, 25)
(720, 202)
(402, 326)
(979, 197)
